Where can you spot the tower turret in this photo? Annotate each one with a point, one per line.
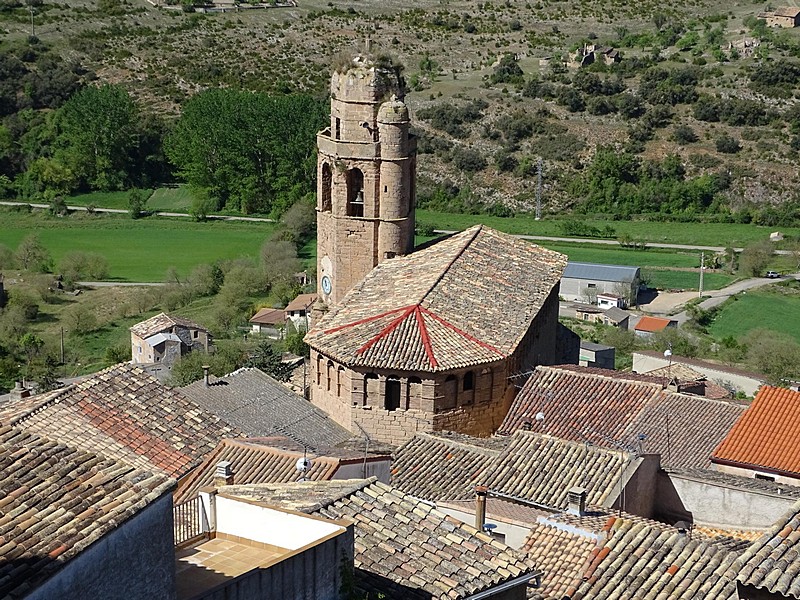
(366, 177)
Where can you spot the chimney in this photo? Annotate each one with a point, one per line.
(576, 501)
(205, 374)
(224, 474)
(480, 506)
(20, 391)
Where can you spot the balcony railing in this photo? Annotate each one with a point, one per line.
(189, 522)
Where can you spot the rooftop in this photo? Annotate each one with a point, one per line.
(125, 414)
(163, 322)
(301, 302)
(261, 406)
(266, 461)
(652, 324)
(269, 316)
(56, 501)
(771, 562)
(615, 407)
(561, 553)
(404, 548)
(438, 308)
(598, 272)
(702, 364)
(767, 435)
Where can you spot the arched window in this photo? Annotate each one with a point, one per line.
(414, 392)
(327, 183)
(392, 399)
(469, 381)
(355, 193)
(319, 369)
(339, 381)
(371, 387)
(329, 374)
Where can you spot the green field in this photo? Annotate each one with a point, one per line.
(700, 234)
(104, 199)
(685, 280)
(137, 250)
(170, 199)
(758, 310)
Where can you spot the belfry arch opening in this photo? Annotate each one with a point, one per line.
(327, 183)
(355, 193)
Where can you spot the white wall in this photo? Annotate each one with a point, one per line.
(268, 525)
(643, 363)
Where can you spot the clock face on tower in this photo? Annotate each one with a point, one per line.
(326, 284)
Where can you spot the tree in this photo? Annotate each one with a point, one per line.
(279, 260)
(31, 255)
(136, 203)
(97, 136)
(265, 357)
(248, 152)
(754, 258)
(774, 354)
(299, 223)
(79, 319)
(31, 345)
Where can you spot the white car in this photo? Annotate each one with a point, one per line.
(773, 274)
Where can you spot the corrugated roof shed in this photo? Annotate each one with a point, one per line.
(598, 272)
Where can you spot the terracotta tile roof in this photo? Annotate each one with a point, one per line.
(738, 481)
(162, 322)
(126, 414)
(267, 461)
(652, 324)
(56, 501)
(559, 552)
(500, 509)
(767, 435)
(443, 466)
(702, 364)
(269, 316)
(677, 371)
(261, 406)
(603, 405)
(661, 563)
(772, 563)
(407, 550)
(542, 469)
(438, 308)
(302, 302)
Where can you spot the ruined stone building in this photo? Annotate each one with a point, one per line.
(424, 341)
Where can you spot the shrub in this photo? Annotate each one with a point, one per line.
(683, 134)
(469, 160)
(727, 145)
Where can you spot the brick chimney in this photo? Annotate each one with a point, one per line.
(576, 501)
(480, 506)
(224, 474)
(20, 391)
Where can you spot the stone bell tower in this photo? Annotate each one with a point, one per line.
(366, 178)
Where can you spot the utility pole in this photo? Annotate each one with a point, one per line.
(33, 28)
(702, 268)
(539, 189)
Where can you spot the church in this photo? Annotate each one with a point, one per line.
(407, 340)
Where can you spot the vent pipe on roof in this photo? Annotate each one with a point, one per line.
(223, 474)
(480, 506)
(576, 501)
(205, 374)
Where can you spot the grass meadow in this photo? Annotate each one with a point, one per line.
(758, 310)
(137, 250)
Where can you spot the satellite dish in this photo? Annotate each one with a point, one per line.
(303, 464)
(539, 416)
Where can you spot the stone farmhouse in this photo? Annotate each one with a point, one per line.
(163, 339)
(786, 16)
(402, 342)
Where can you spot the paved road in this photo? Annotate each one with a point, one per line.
(121, 211)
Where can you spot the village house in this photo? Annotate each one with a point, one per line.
(80, 525)
(647, 326)
(260, 406)
(127, 415)
(583, 282)
(269, 322)
(596, 355)
(731, 378)
(298, 311)
(786, 16)
(762, 442)
(164, 338)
